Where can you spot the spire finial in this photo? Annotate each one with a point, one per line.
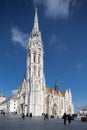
(56, 86)
(36, 10)
(36, 27)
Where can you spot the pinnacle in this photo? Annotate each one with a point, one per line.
(36, 26)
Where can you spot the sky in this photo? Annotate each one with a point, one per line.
(63, 25)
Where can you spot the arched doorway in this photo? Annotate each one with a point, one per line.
(54, 109)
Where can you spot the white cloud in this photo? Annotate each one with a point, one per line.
(56, 42)
(19, 37)
(14, 92)
(57, 8)
(79, 66)
(55, 39)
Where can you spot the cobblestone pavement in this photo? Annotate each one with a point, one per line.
(15, 122)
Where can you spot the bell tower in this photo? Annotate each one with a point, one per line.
(35, 72)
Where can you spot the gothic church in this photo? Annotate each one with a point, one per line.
(33, 94)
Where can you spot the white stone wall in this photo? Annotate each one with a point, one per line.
(3, 107)
(57, 104)
(21, 98)
(12, 106)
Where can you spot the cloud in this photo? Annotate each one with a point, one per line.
(58, 8)
(79, 66)
(19, 37)
(14, 92)
(57, 43)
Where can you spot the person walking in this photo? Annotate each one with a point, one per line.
(30, 115)
(64, 117)
(23, 116)
(46, 116)
(69, 119)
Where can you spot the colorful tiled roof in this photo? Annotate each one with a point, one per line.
(63, 93)
(49, 90)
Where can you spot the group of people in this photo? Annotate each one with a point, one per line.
(65, 117)
(46, 116)
(23, 116)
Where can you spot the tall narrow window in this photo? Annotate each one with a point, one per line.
(39, 59)
(34, 57)
(62, 104)
(34, 70)
(39, 72)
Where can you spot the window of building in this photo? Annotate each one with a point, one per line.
(34, 70)
(62, 104)
(39, 59)
(39, 72)
(34, 58)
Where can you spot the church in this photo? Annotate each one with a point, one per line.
(33, 95)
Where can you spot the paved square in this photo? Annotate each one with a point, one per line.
(15, 122)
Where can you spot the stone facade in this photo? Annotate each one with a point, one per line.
(21, 97)
(33, 95)
(12, 104)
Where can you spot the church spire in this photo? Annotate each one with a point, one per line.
(36, 27)
(56, 86)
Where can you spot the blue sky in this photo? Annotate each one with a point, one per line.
(63, 25)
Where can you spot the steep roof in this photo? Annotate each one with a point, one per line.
(49, 90)
(63, 93)
(14, 97)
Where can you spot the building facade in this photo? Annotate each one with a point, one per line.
(9, 105)
(33, 95)
(21, 97)
(12, 104)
